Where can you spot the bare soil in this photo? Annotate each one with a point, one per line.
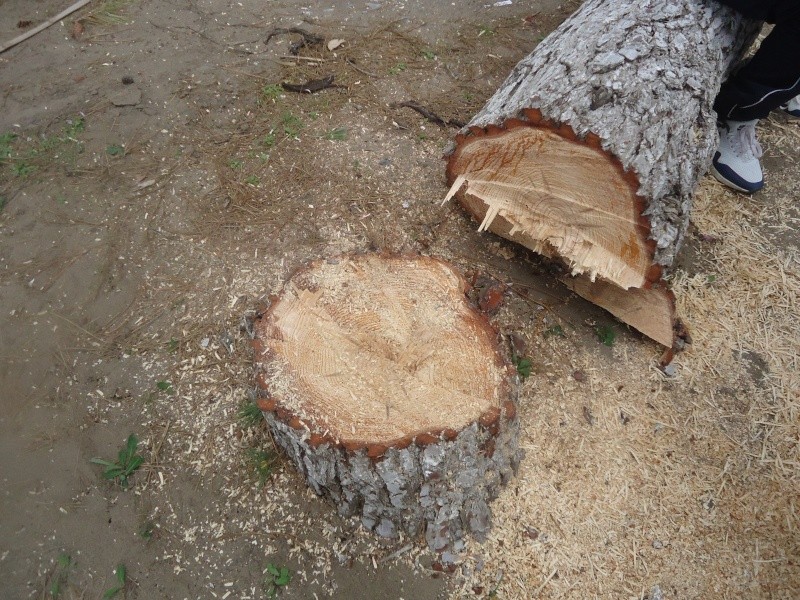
(157, 185)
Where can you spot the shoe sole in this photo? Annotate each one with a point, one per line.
(719, 177)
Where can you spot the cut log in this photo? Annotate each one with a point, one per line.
(390, 395)
(591, 149)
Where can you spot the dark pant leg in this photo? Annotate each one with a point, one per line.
(772, 77)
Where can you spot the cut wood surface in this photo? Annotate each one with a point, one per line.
(390, 394)
(591, 150)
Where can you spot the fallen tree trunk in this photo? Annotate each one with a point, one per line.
(390, 395)
(591, 149)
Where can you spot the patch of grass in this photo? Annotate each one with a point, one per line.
(252, 180)
(271, 92)
(398, 68)
(74, 127)
(606, 334)
(337, 135)
(165, 386)
(6, 145)
(22, 168)
(555, 330)
(121, 575)
(428, 55)
(146, 530)
(249, 414)
(263, 463)
(269, 139)
(292, 125)
(115, 150)
(59, 580)
(275, 578)
(127, 462)
(235, 164)
(108, 13)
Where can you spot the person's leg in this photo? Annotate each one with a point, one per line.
(771, 79)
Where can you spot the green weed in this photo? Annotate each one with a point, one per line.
(271, 92)
(146, 530)
(172, 345)
(165, 386)
(263, 463)
(523, 366)
(269, 139)
(115, 150)
(235, 164)
(250, 415)
(606, 334)
(121, 575)
(274, 579)
(398, 68)
(63, 565)
(555, 330)
(291, 125)
(22, 168)
(74, 127)
(252, 180)
(6, 145)
(338, 134)
(127, 462)
(485, 30)
(428, 55)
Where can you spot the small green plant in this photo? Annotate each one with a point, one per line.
(121, 575)
(485, 30)
(22, 168)
(555, 330)
(291, 125)
(523, 366)
(172, 345)
(606, 334)
(428, 55)
(235, 164)
(74, 127)
(252, 180)
(269, 139)
(263, 156)
(337, 135)
(271, 92)
(274, 579)
(398, 68)
(146, 530)
(249, 414)
(263, 463)
(164, 386)
(115, 150)
(6, 145)
(63, 565)
(3, 203)
(127, 462)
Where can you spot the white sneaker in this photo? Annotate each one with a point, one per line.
(736, 161)
(793, 107)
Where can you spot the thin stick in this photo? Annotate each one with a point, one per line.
(43, 26)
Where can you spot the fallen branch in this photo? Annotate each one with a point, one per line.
(431, 116)
(43, 26)
(311, 86)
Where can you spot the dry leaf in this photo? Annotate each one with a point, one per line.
(334, 44)
(77, 30)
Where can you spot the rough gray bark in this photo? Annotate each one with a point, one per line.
(643, 77)
(442, 489)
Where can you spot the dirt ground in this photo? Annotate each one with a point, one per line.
(157, 185)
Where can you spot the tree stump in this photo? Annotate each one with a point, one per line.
(390, 394)
(591, 149)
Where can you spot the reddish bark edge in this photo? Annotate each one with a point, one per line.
(491, 420)
(532, 117)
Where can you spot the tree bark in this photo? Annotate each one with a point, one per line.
(591, 149)
(390, 395)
